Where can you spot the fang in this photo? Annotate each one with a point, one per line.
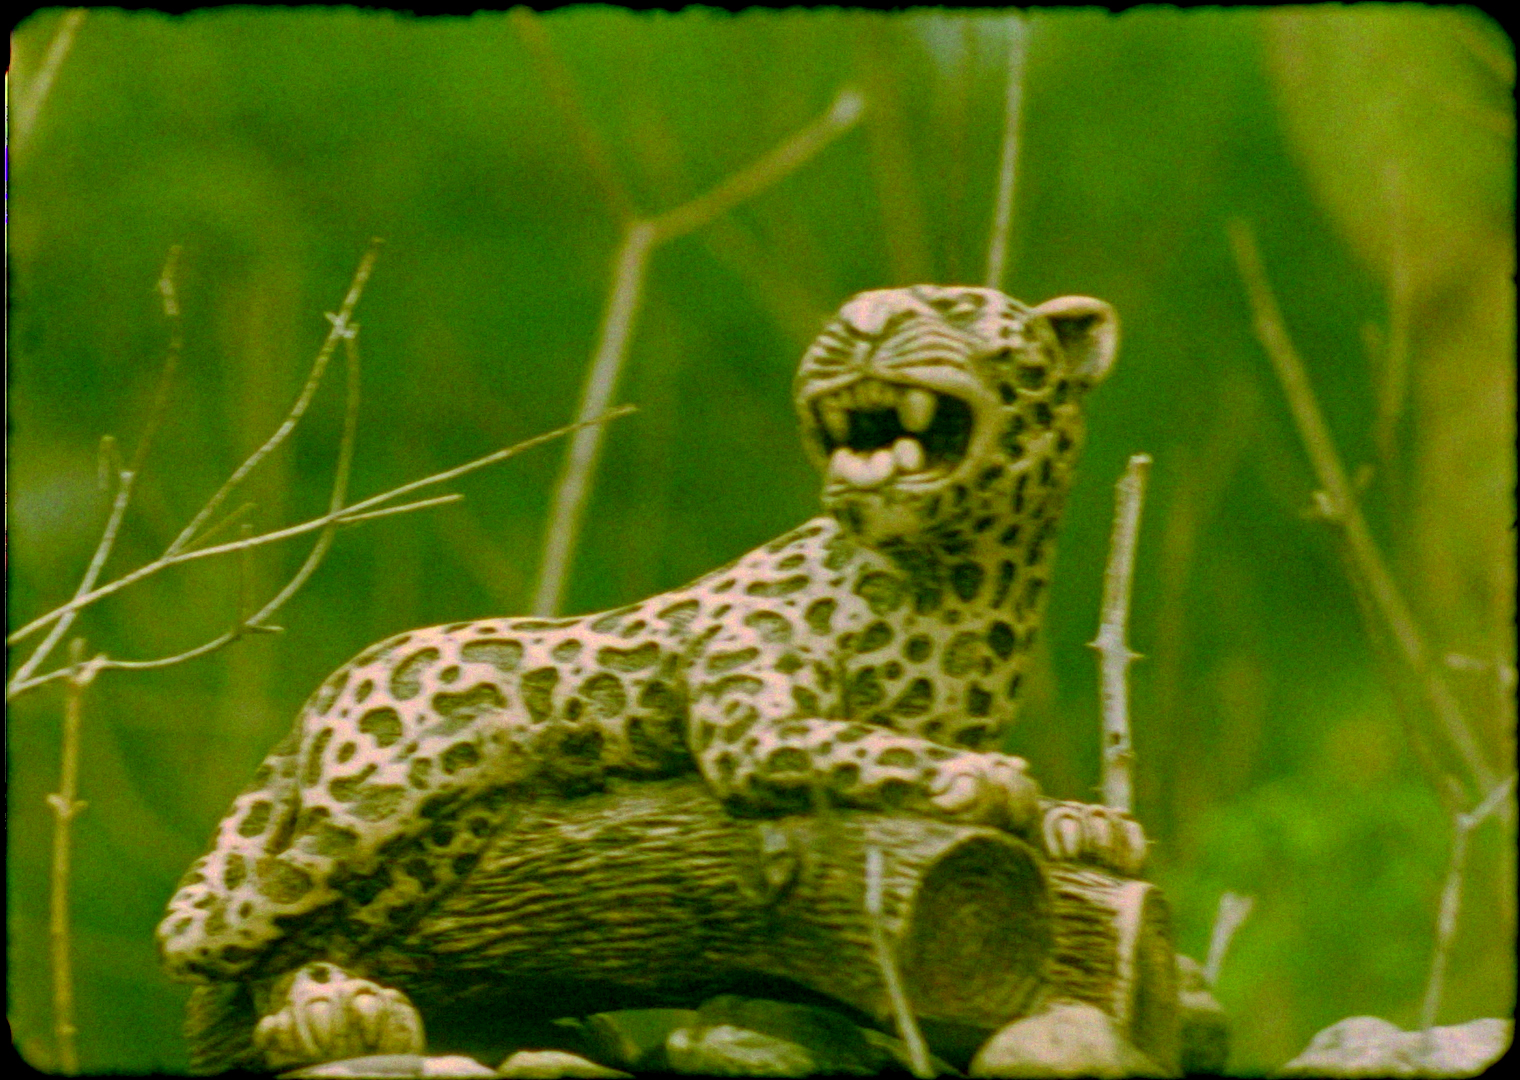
(916, 409)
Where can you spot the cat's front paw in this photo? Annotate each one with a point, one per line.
(325, 1014)
(1085, 832)
(986, 789)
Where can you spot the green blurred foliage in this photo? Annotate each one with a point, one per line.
(1371, 147)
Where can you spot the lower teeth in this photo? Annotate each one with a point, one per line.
(905, 456)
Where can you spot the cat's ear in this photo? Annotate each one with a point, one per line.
(1088, 331)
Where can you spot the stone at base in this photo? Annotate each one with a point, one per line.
(392, 1067)
(1066, 1039)
(553, 1065)
(1370, 1046)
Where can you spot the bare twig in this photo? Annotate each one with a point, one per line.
(126, 477)
(1114, 655)
(1451, 895)
(574, 486)
(357, 512)
(1013, 113)
(907, 1023)
(846, 109)
(640, 239)
(1233, 910)
(339, 331)
(36, 93)
(245, 621)
(404, 508)
(226, 523)
(1337, 504)
(65, 808)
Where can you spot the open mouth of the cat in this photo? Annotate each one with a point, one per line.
(873, 432)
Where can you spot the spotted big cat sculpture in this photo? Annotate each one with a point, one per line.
(870, 658)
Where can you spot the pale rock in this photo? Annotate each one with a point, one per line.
(392, 1067)
(552, 1065)
(1066, 1039)
(1371, 1046)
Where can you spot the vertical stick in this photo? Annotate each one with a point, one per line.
(1233, 910)
(65, 807)
(1451, 897)
(907, 1023)
(1013, 115)
(1337, 503)
(639, 241)
(1114, 656)
(1446, 923)
(36, 92)
(575, 480)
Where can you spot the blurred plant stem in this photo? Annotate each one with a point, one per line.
(1393, 370)
(1336, 503)
(65, 808)
(1451, 895)
(1233, 910)
(30, 100)
(1114, 655)
(641, 237)
(902, 1010)
(556, 79)
(1013, 116)
(126, 479)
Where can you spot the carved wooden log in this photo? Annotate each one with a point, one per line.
(1114, 949)
(653, 894)
(656, 889)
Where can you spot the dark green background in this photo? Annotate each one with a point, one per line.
(1371, 147)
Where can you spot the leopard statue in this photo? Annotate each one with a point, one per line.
(875, 653)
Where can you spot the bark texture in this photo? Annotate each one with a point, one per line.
(657, 888)
(653, 894)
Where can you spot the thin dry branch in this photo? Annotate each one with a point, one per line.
(65, 808)
(1013, 115)
(902, 1011)
(226, 523)
(340, 331)
(1451, 895)
(1114, 655)
(126, 478)
(847, 108)
(574, 486)
(359, 511)
(1233, 910)
(257, 621)
(1463, 825)
(1337, 503)
(640, 239)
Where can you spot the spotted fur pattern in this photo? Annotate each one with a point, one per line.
(872, 655)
